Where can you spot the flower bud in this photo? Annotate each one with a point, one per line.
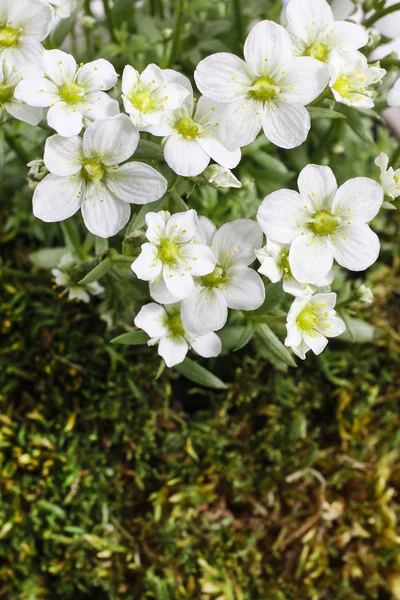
(220, 177)
(37, 172)
(88, 22)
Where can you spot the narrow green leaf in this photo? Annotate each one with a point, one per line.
(101, 245)
(273, 345)
(245, 338)
(47, 258)
(195, 372)
(324, 113)
(148, 151)
(133, 338)
(98, 272)
(357, 331)
(358, 122)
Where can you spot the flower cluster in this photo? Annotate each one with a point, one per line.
(195, 271)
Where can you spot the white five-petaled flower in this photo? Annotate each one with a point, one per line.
(174, 253)
(147, 96)
(323, 223)
(394, 95)
(316, 33)
(274, 259)
(62, 278)
(221, 177)
(351, 77)
(10, 76)
(310, 322)
(86, 174)
(232, 284)
(62, 9)
(23, 25)
(270, 90)
(73, 94)
(193, 133)
(165, 328)
(389, 178)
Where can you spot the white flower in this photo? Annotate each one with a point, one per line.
(351, 76)
(173, 254)
(323, 223)
(389, 26)
(394, 95)
(316, 33)
(75, 291)
(72, 94)
(310, 322)
(221, 177)
(343, 9)
(23, 25)
(62, 9)
(86, 174)
(232, 284)
(10, 77)
(149, 95)
(365, 293)
(389, 178)
(165, 328)
(274, 259)
(269, 90)
(192, 133)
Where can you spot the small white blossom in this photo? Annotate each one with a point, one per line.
(174, 253)
(389, 178)
(23, 25)
(394, 95)
(365, 293)
(232, 284)
(351, 77)
(165, 328)
(192, 133)
(62, 9)
(86, 174)
(10, 76)
(316, 33)
(72, 94)
(274, 259)
(221, 177)
(323, 223)
(389, 26)
(147, 96)
(270, 90)
(62, 278)
(310, 322)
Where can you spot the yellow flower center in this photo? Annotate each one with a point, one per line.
(6, 93)
(71, 93)
(342, 85)
(174, 324)
(263, 89)
(317, 50)
(142, 100)
(214, 279)
(168, 251)
(306, 319)
(187, 127)
(93, 170)
(324, 223)
(396, 179)
(8, 36)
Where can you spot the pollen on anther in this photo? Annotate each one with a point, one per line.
(81, 64)
(226, 253)
(328, 326)
(213, 107)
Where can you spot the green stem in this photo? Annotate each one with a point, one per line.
(107, 11)
(237, 10)
(176, 38)
(17, 147)
(381, 13)
(70, 234)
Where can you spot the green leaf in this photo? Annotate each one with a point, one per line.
(195, 372)
(148, 151)
(47, 258)
(324, 113)
(101, 246)
(273, 345)
(357, 123)
(357, 331)
(245, 338)
(133, 338)
(99, 271)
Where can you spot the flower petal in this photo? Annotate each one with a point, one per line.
(347, 36)
(115, 138)
(208, 345)
(57, 198)
(241, 122)
(173, 350)
(65, 119)
(206, 231)
(356, 246)
(98, 105)
(304, 79)
(156, 224)
(103, 214)
(359, 199)
(307, 18)
(315, 341)
(182, 226)
(60, 67)
(267, 47)
(33, 17)
(137, 183)
(220, 153)
(310, 257)
(235, 242)
(244, 290)
(286, 125)
(160, 293)
(280, 215)
(25, 113)
(61, 155)
(222, 77)
(204, 310)
(201, 258)
(147, 266)
(37, 91)
(178, 280)
(317, 185)
(151, 319)
(97, 75)
(130, 80)
(185, 157)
